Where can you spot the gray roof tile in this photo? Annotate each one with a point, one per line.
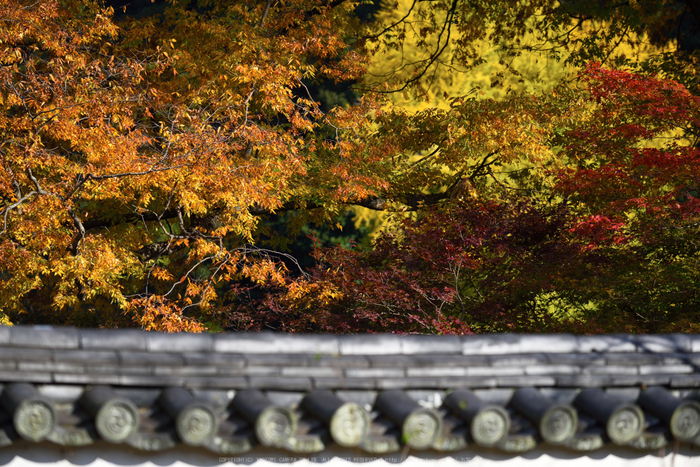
(500, 396)
(686, 381)
(285, 398)
(283, 383)
(141, 396)
(80, 356)
(583, 381)
(221, 398)
(185, 370)
(375, 372)
(25, 354)
(495, 371)
(560, 396)
(380, 344)
(526, 380)
(142, 364)
(25, 376)
(180, 343)
(625, 394)
(341, 361)
(5, 334)
(551, 370)
(344, 383)
(358, 396)
(44, 337)
(484, 344)
(663, 343)
(607, 344)
(422, 344)
(436, 371)
(268, 343)
(226, 360)
(313, 344)
(467, 382)
(51, 366)
(665, 369)
(680, 358)
(518, 360)
(251, 371)
(403, 383)
(116, 369)
(694, 340)
(415, 361)
(280, 360)
(151, 380)
(150, 358)
(634, 380)
(393, 361)
(228, 382)
(634, 359)
(244, 343)
(83, 378)
(317, 372)
(113, 339)
(611, 370)
(62, 393)
(576, 359)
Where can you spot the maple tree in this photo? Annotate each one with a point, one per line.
(603, 239)
(136, 157)
(139, 155)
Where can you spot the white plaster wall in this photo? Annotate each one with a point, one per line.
(106, 455)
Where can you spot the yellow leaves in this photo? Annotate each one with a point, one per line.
(265, 272)
(4, 320)
(203, 248)
(302, 294)
(181, 242)
(161, 274)
(156, 314)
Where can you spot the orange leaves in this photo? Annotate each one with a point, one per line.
(161, 315)
(264, 271)
(162, 274)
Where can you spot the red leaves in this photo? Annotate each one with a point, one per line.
(453, 270)
(651, 98)
(597, 230)
(623, 159)
(612, 248)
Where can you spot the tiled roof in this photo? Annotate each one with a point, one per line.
(380, 393)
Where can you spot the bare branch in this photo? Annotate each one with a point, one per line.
(264, 15)
(80, 236)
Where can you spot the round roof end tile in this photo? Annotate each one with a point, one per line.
(349, 425)
(421, 428)
(625, 424)
(685, 421)
(196, 424)
(559, 424)
(34, 419)
(274, 426)
(490, 426)
(117, 420)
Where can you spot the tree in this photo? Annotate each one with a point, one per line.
(139, 156)
(607, 243)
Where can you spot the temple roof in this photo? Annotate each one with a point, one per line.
(231, 392)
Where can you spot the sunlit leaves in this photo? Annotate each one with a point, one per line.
(597, 233)
(137, 156)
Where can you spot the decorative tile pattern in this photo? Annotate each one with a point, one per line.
(228, 393)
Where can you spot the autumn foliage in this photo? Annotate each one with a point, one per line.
(607, 244)
(140, 159)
